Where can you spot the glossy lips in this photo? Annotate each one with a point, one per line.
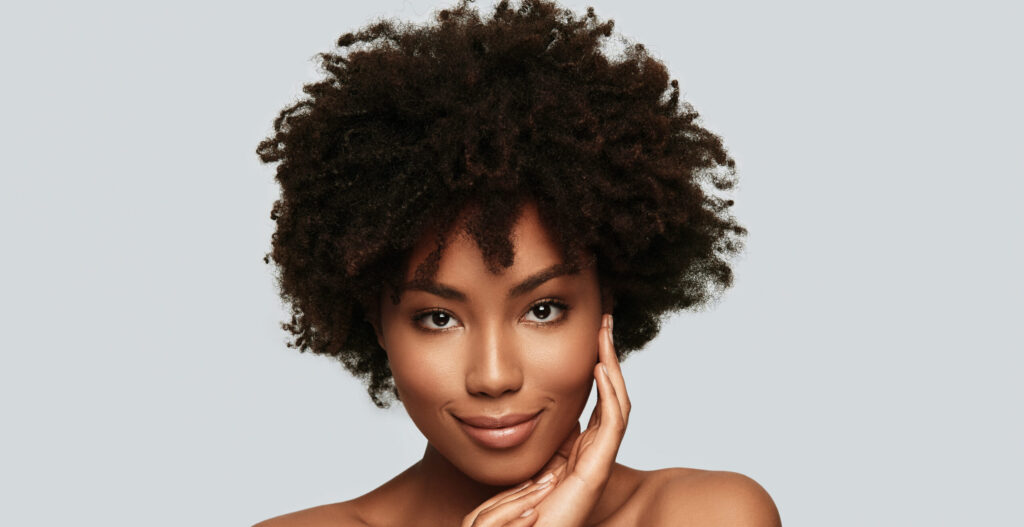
(501, 432)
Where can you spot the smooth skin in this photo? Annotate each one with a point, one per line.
(579, 474)
(474, 343)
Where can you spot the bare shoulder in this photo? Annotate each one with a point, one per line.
(684, 496)
(342, 514)
(383, 505)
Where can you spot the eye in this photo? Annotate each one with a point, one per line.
(436, 320)
(547, 312)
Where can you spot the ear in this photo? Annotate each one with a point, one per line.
(377, 331)
(380, 335)
(373, 318)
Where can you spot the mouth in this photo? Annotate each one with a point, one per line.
(499, 432)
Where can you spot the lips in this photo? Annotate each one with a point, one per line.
(505, 431)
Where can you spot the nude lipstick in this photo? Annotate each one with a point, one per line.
(499, 432)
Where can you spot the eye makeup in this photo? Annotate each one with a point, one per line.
(438, 316)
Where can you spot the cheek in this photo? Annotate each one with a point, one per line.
(420, 375)
(564, 365)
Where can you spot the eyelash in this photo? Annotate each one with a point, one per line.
(418, 317)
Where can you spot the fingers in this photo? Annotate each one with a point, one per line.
(560, 472)
(574, 454)
(549, 478)
(557, 462)
(608, 401)
(501, 496)
(524, 521)
(606, 356)
(516, 509)
(593, 452)
(611, 408)
(599, 443)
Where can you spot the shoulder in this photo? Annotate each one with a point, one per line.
(682, 496)
(381, 506)
(334, 515)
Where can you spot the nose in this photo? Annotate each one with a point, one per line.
(494, 367)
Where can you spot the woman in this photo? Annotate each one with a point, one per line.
(466, 207)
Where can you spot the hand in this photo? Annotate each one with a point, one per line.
(576, 475)
(583, 472)
(512, 508)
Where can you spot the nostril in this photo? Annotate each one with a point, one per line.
(493, 367)
(492, 389)
(494, 381)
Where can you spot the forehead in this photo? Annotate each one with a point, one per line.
(533, 246)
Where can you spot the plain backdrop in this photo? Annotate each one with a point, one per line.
(864, 368)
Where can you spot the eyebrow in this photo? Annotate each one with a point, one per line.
(529, 284)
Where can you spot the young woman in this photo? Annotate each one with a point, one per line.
(480, 218)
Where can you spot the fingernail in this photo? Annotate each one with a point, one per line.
(611, 322)
(548, 477)
(604, 369)
(527, 513)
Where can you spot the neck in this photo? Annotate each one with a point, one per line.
(447, 493)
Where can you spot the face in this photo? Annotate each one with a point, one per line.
(495, 369)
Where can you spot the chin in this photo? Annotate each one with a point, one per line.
(504, 467)
(500, 467)
(501, 474)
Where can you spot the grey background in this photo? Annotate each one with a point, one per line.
(863, 369)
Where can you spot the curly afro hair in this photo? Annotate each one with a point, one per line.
(414, 125)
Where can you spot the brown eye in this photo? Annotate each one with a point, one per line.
(440, 319)
(547, 311)
(436, 320)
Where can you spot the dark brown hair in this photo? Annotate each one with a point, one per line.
(413, 125)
